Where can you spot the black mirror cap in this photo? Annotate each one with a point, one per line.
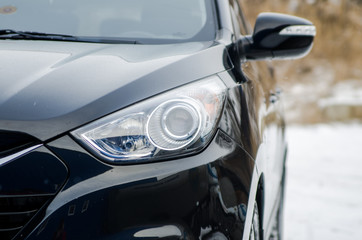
(279, 36)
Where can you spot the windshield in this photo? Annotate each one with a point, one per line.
(150, 20)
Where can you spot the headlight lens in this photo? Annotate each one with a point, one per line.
(178, 122)
(174, 124)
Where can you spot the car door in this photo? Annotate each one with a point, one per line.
(266, 102)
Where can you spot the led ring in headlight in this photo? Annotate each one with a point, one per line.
(180, 121)
(174, 124)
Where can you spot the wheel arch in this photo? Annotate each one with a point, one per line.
(260, 202)
(257, 197)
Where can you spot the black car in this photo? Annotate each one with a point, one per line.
(140, 119)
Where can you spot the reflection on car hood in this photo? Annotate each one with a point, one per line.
(48, 88)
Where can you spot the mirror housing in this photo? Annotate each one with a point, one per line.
(278, 36)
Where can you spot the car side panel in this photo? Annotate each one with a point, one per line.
(265, 124)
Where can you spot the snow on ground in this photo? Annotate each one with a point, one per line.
(324, 182)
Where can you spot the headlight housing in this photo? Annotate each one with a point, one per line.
(178, 122)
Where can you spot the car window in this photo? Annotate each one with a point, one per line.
(134, 19)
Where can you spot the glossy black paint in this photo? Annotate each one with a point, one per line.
(12, 142)
(190, 193)
(44, 103)
(267, 42)
(209, 195)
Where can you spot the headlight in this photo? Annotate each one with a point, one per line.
(175, 123)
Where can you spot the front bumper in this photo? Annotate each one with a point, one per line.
(188, 198)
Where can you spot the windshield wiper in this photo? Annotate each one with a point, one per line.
(13, 34)
(27, 35)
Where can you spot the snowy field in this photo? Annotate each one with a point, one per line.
(324, 182)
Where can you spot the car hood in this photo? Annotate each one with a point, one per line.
(49, 88)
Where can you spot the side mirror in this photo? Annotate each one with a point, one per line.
(278, 36)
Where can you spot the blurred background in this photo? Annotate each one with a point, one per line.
(323, 105)
(327, 84)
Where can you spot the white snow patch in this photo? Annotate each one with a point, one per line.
(324, 182)
(344, 93)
